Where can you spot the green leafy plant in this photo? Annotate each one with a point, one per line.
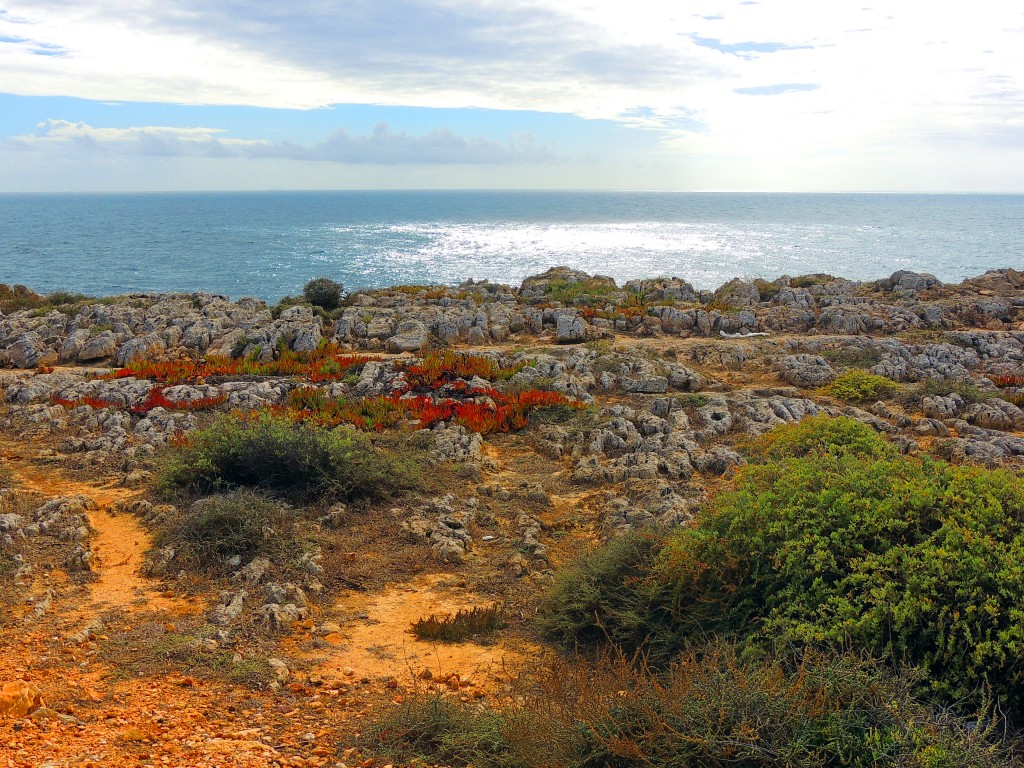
(323, 292)
(857, 386)
(300, 461)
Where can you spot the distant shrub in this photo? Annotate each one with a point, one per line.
(857, 386)
(479, 621)
(300, 461)
(968, 390)
(712, 709)
(820, 435)
(242, 523)
(323, 292)
(6, 477)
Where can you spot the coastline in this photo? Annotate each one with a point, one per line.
(542, 420)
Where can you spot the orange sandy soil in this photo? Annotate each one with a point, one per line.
(176, 719)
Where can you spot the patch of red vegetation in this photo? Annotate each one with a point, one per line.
(155, 399)
(1007, 381)
(328, 363)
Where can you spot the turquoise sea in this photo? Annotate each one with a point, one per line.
(269, 244)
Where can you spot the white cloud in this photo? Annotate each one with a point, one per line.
(381, 147)
(894, 79)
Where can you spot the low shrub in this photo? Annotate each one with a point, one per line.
(967, 390)
(908, 559)
(712, 709)
(476, 622)
(6, 477)
(820, 435)
(857, 386)
(300, 461)
(245, 523)
(607, 596)
(323, 292)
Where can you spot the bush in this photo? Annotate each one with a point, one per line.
(301, 461)
(906, 559)
(967, 390)
(856, 386)
(821, 435)
(608, 596)
(913, 560)
(712, 709)
(6, 477)
(242, 523)
(323, 292)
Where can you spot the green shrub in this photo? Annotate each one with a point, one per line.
(300, 461)
(244, 523)
(913, 560)
(856, 386)
(821, 435)
(6, 477)
(943, 387)
(607, 595)
(712, 709)
(323, 292)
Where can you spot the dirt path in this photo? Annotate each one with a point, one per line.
(377, 642)
(119, 543)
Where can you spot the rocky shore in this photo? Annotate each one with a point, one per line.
(653, 390)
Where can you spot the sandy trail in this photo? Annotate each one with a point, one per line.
(119, 543)
(378, 643)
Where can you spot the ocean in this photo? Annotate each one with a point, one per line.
(269, 244)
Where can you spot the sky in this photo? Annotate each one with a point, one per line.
(771, 95)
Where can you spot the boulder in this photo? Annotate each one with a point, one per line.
(19, 698)
(805, 370)
(98, 347)
(27, 351)
(571, 329)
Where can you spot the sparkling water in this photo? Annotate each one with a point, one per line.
(269, 244)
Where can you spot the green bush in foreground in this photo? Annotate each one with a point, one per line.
(856, 386)
(303, 462)
(242, 523)
(912, 560)
(709, 710)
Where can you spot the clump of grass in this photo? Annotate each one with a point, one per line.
(584, 291)
(478, 621)
(303, 462)
(245, 523)
(713, 708)
(856, 386)
(20, 298)
(6, 476)
(689, 400)
(148, 650)
(853, 355)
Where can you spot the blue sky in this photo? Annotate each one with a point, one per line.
(788, 95)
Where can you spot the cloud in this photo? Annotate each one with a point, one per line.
(776, 89)
(381, 147)
(889, 79)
